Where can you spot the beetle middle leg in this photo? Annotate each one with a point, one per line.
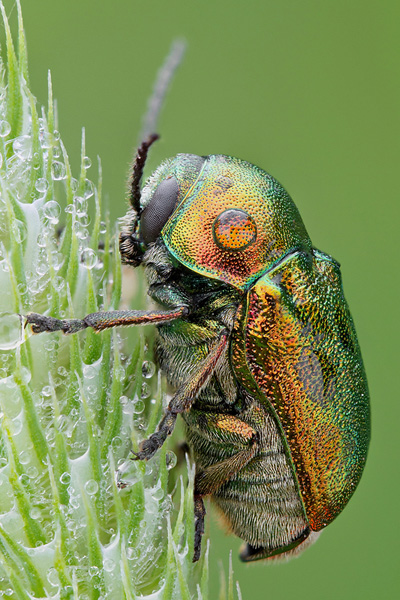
(184, 398)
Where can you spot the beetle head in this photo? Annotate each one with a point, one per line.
(151, 207)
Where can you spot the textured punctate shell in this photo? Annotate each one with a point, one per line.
(295, 347)
(270, 227)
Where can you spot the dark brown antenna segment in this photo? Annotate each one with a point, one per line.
(137, 171)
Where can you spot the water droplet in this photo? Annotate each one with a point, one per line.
(158, 493)
(108, 565)
(170, 459)
(138, 407)
(12, 332)
(52, 210)
(145, 391)
(88, 189)
(65, 478)
(91, 487)
(93, 571)
(41, 185)
(80, 231)
(57, 170)
(148, 369)
(19, 231)
(5, 128)
(89, 258)
(70, 208)
(22, 147)
(52, 577)
(24, 457)
(17, 425)
(116, 442)
(1, 160)
(57, 260)
(87, 163)
(45, 138)
(151, 506)
(46, 391)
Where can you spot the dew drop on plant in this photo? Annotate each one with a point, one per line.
(12, 332)
(25, 375)
(57, 170)
(89, 258)
(87, 163)
(52, 577)
(22, 289)
(108, 565)
(80, 231)
(145, 391)
(138, 407)
(22, 147)
(1, 160)
(41, 185)
(151, 506)
(51, 211)
(116, 442)
(17, 425)
(5, 128)
(170, 459)
(148, 369)
(158, 493)
(57, 260)
(19, 231)
(91, 487)
(70, 208)
(45, 139)
(88, 189)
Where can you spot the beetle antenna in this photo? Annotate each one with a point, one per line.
(150, 120)
(137, 171)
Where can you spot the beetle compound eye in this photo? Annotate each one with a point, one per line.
(234, 230)
(159, 209)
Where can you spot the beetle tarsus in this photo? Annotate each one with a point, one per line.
(42, 323)
(199, 515)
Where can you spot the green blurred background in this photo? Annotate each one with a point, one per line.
(308, 90)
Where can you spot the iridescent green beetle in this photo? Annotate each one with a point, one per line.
(257, 338)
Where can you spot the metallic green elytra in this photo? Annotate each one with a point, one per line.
(256, 336)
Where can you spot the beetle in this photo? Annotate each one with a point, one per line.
(255, 335)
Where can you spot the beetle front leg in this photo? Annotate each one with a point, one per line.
(103, 320)
(183, 399)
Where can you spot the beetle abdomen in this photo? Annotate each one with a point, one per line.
(261, 503)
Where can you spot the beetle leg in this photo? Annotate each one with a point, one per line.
(183, 399)
(103, 320)
(209, 480)
(199, 514)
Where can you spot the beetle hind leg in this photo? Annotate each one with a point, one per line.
(297, 546)
(199, 514)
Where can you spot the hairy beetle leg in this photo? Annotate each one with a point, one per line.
(183, 399)
(150, 446)
(103, 320)
(199, 515)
